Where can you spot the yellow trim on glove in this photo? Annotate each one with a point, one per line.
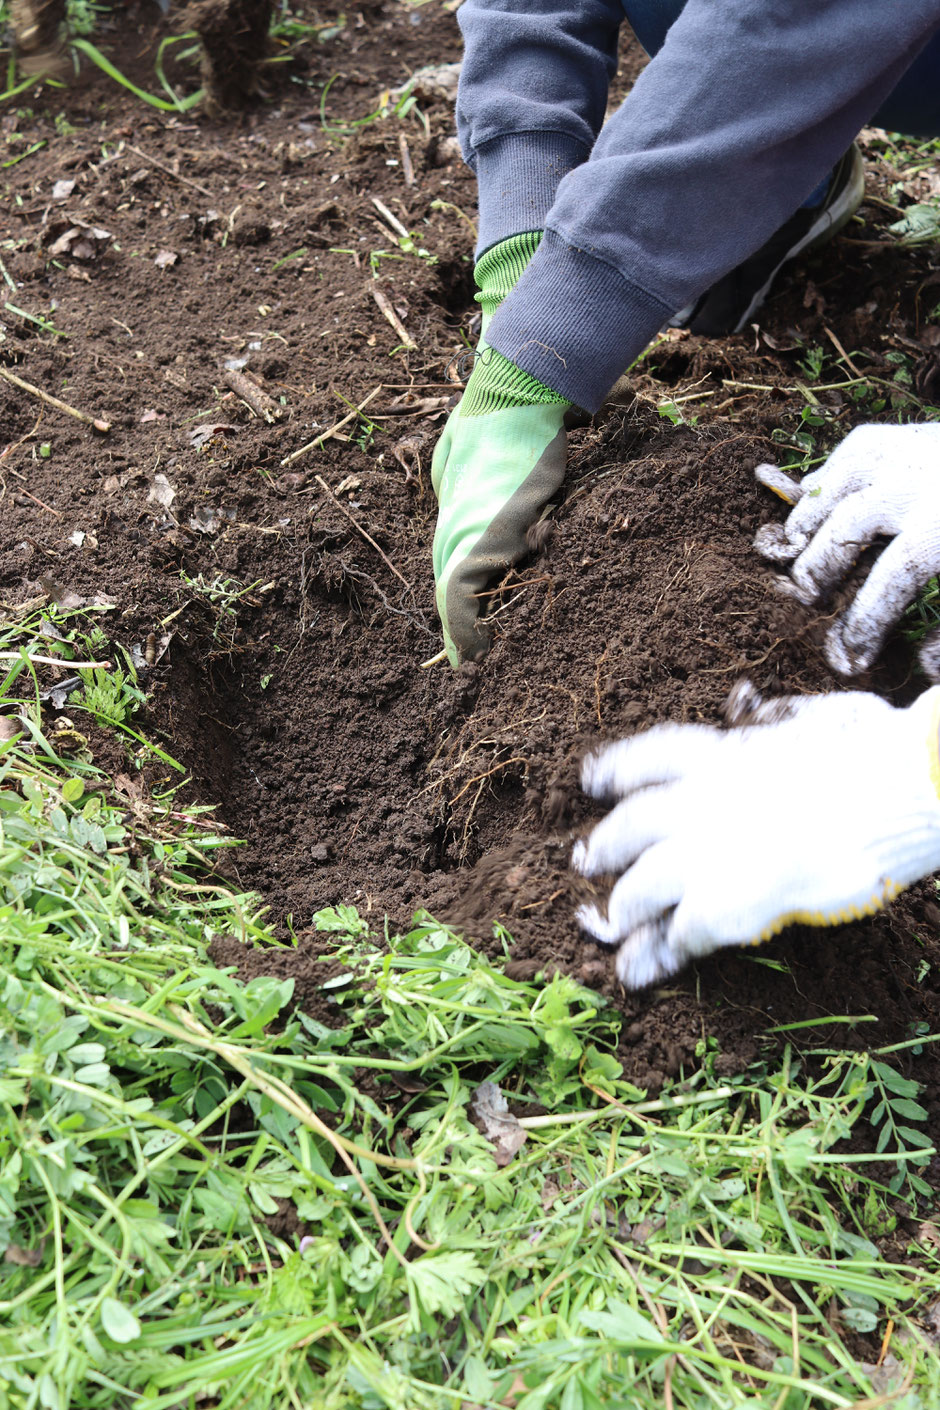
(933, 745)
(877, 903)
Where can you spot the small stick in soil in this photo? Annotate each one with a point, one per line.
(434, 660)
(360, 530)
(254, 396)
(842, 353)
(359, 576)
(338, 426)
(55, 661)
(168, 170)
(391, 221)
(518, 759)
(15, 445)
(407, 166)
(385, 308)
(41, 502)
(96, 421)
(415, 408)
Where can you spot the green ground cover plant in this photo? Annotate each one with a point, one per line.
(712, 1246)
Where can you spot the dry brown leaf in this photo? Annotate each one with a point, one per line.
(202, 434)
(63, 597)
(24, 1257)
(929, 1233)
(161, 492)
(550, 1192)
(490, 1111)
(930, 1318)
(81, 241)
(435, 81)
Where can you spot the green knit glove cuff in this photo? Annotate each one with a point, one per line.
(498, 270)
(496, 384)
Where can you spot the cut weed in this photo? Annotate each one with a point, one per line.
(157, 1116)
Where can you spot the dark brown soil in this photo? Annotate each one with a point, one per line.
(353, 772)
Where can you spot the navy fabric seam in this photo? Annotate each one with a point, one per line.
(629, 279)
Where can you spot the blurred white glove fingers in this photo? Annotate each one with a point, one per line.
(652, 886)
(746, 706)
(657, 756)
(906, 565)
(851, 467)
(773, 543)
(822, 490)
(743, 702)
(821, 817)
(782, 484)
(647, 956)
(929, 656)
(635, 824)
(846, 533)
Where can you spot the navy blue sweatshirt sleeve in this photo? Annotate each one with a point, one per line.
(532, 98)
(729, 128)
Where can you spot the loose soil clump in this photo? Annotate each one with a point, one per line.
(286, 604)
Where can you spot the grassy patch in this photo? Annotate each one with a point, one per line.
(157, 1116)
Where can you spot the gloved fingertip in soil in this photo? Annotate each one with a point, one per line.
(500, 459)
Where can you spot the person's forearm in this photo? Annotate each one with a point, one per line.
(532, 98)
(728, 129)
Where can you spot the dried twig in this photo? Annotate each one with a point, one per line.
(55, 661)
(517, 759)
(842, 353)
(385, 308)
(415, 408)
(391, 221)
(97, 422)
(41, 502)
(338, 426)
(161, 166)
(360, 530)
(15, 445)
(407, 166)
(255, 397)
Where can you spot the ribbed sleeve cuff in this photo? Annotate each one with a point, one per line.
(517, 177)
(575, 323)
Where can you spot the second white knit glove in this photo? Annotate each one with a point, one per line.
(882, 480)
(817, 809)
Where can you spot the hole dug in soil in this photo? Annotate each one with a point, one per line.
(354, 775)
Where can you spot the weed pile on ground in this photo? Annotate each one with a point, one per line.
(205, 1195)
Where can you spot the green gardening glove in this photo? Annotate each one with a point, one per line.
(499, 460)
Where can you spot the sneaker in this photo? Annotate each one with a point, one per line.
(731, 303)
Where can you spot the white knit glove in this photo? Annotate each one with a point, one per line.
(880, 480)
(819, 809)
